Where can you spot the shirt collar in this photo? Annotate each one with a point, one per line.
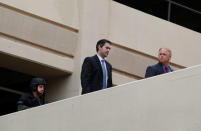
(167, 65)
(169, 69)
(100, 58)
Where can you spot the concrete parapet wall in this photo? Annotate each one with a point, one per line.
(169, 102)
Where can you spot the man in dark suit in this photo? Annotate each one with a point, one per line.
(162, 66)
(96, 72)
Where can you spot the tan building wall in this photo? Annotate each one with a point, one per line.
(54, 37)
(64, 12)
(145, 33)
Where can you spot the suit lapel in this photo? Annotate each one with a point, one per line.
(160, 69)
(100, 67)
(98, 63)
(170, 68)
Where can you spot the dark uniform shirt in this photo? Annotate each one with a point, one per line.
(28, 100)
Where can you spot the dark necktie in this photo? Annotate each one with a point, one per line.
(166, 69)
(104, 74)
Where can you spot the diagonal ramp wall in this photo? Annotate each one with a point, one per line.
(170, 102)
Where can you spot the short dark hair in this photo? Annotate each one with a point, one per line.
(101, 43)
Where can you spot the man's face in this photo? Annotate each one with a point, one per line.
(41, 89)
(164, 56)
(104, 51)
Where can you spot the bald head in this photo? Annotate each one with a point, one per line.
(164, 55)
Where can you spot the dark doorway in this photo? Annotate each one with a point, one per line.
(12, 85)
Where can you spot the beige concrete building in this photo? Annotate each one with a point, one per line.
(51, 38)
(169, 102)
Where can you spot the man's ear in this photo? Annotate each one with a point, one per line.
(99, 47)
(169, 58)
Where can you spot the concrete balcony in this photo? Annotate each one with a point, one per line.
(166, 102)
